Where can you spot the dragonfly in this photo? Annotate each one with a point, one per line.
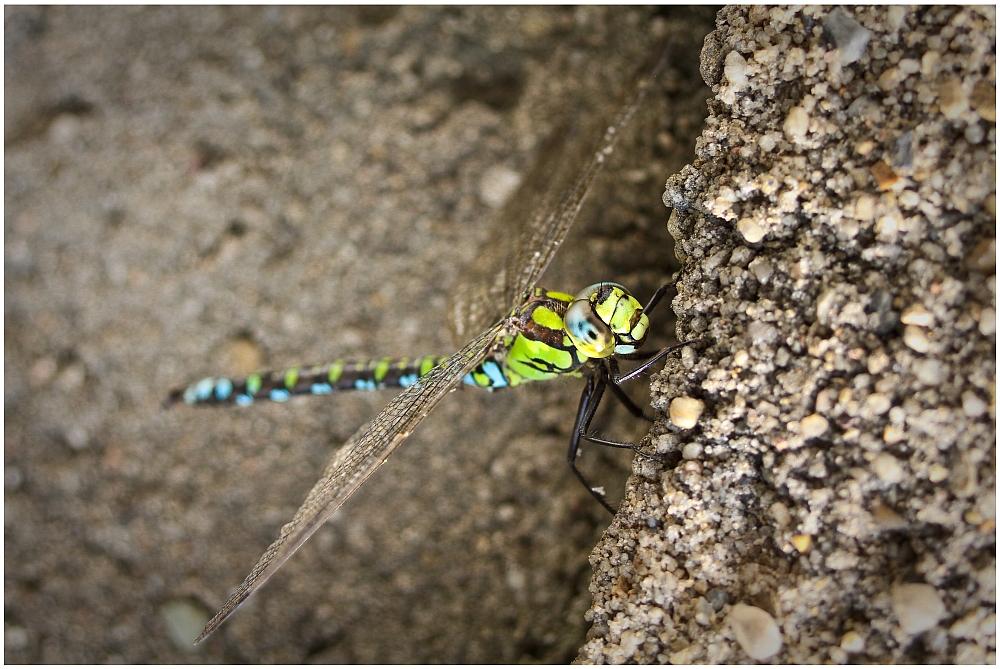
(517, 332)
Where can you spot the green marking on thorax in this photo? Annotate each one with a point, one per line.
(336, 371)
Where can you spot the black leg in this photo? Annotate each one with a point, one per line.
(589, 401)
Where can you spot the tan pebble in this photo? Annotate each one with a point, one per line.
(951, 98)
(937, 473)
(884, 176)
(751, 230)
(685, 412)
(987, 527)
(802, 542)
(741, 358)
(890, 78)
(973, 517)
(796, 124)
(813, 426)
(875, 404)
(878, 361)
(852, 642)
(780, 514)
(916, 339)
(917, 606)
(988, 322)
(983, 256)
(984, 100)
(887, 468)
(887, 518)
(928, 62)
(756, 631)
(864, 208)
(865, 147)
(917, 314)
(42, 370)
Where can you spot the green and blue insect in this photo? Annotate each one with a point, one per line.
(551, 334)
(531, 334)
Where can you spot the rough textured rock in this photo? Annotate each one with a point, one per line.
(837, 232)
(202, 190)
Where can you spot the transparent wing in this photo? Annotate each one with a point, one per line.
(534, 224)
(356, 460)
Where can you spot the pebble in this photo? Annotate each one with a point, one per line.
(796, 124)
(984, 101)
(735, 70)
(852, 642)
(802, 542)
(988, 322)
(813, 426)
(497, 185)
(916, 339)
(691, 451)
(755, 631)
(751, 230)
(850, 37)
(972, 405)
(875, 404)
(930, 372)
(917, 606)
(685, 412)
(952, 100)
(917, 314)
(884, 176)
(780, 514)
(185, 621)
(887, 468)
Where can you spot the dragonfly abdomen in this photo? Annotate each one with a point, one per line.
(337, 376)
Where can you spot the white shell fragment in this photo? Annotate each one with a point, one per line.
(685, 412)
(917, 606)
(756, 631)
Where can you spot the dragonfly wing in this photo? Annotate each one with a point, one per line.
(356, 460)
(539, 241)
(533, 225)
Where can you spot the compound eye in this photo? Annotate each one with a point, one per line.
(589, 334)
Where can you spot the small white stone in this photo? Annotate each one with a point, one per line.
(497, 185)
(917, 606)
(736, 70)
(796, 124)
(875, 404)
(930, 372)
(972, 405)
(751, 230)
(917, 314)
(988, 322)
(685, 411)
(850, 37)
(887, 468)
(756, 631)
(852, 642)
(916, 339)
(780, 514)
(691, 451)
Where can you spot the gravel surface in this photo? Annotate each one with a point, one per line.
(194, 191)
(831, 494)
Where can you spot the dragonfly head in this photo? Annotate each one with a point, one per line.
(604, 319)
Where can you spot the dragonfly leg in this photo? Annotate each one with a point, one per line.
(589, 401)
(658, 295)
(607, 378)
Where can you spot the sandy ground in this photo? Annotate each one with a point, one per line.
(194, 190)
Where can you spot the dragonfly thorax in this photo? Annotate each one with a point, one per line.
(604, 320)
